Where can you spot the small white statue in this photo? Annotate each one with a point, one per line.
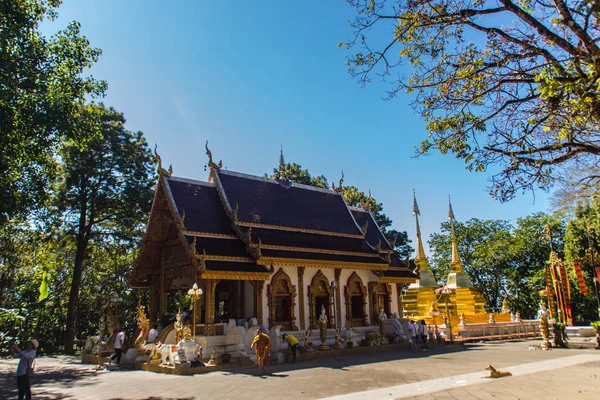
(512, 317)
(518, 318)
(492, 320)
(462, 320)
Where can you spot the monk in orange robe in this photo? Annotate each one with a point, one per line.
(263, 344)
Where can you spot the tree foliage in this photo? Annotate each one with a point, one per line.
(42, 88)
(104, 194)
(502, 260)
(510, 86)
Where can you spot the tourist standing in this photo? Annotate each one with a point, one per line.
(424, 333)
(25, 367)
(263, 344)
(412, 330)
(292, 343)
(118, 346)
(153, 335)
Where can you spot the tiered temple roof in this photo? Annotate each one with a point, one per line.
(239, 226)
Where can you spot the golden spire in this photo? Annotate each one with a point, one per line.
(455, 257)
(281, 163)
(160, 169)
(416, 213)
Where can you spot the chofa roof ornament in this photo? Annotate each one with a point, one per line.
(211, 164)
(160, 169)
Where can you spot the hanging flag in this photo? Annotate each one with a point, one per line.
(579, 274)
(566, 285)
(44, 287)
(598, 274)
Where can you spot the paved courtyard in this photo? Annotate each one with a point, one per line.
(447, 372)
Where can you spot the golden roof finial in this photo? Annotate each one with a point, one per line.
(170, 170)
(281, 163)
(211, 164)
(249, 235)
(341, 183)
(203, 260)
(160, 169)
(194, 246)
(235, 212)
(258, 252)
(182, 219)
(364, 227)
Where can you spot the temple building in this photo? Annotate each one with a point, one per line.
(267, 249)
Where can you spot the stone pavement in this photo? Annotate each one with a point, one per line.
(555, 374)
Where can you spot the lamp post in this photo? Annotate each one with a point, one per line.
(333, 288)
(195, 293)
(446, 292)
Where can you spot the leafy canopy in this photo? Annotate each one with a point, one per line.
(513, 86)
(42, 89)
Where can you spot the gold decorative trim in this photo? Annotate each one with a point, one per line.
(236, 276)
(209, 234)
(311, 250)
(208, 257)
(281, 286)
(299, 262)
(302, 230)
(391, 279)
(349, 291)
(319, 286)
(337, 273)
(301, 296)
(377, 293)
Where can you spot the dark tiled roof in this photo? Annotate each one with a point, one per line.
(374, 235)
(322, 256)
(203, 209)
(264, 201)
(396, 261)
(232, 266)
(394, 273)
(309, 240)
(219, 246)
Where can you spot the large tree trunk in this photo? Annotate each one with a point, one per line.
(82, 242)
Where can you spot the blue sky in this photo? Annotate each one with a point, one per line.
(250, 76)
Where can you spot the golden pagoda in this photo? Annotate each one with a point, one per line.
(420, 295)
(465, 299)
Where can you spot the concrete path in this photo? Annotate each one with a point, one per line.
(445, 372)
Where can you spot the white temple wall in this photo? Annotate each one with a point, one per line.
(394, 308)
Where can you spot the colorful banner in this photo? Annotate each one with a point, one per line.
(569, 315)
(598, 273)
(549, 288)
(579, 274)
(566, 285)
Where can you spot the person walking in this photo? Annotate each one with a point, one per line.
(292, 343)
(413, 331)
(153, 335)
(263, 344)
(25, 367)
(424, 333)
(118, 346)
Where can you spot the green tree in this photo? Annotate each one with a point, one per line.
(42, 88)
(403, 247)
(104, 193)
(511, 85)
(503, 261)
(478, 244)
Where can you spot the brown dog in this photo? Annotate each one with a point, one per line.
(494, 373)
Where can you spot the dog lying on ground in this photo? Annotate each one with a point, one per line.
(494, 373)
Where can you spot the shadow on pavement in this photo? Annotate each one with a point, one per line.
(152, 398)
(62, 376)
(342, 363)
